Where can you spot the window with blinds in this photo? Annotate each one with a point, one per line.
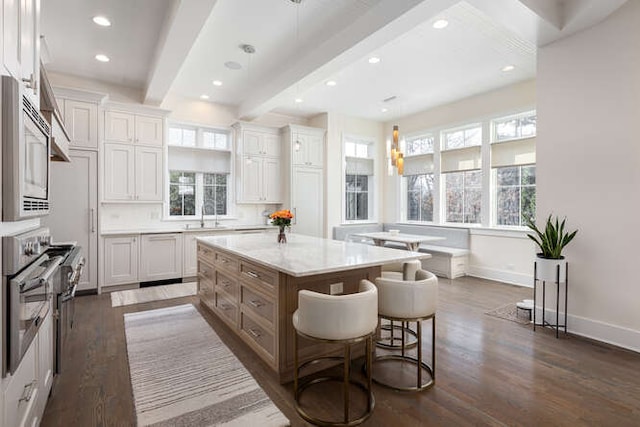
(359, 179)
(199, 163)
(419, 178)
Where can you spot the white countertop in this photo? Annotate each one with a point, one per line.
(181, 229)
(304, 255)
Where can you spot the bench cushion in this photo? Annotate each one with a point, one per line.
(454, 237)
(432, 249)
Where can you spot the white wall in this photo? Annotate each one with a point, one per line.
(337, 126)
(589, 169)
(497, 255)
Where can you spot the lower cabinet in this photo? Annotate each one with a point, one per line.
(28, 388)
(120, 260)
(160, 256)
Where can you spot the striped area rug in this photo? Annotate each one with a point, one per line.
(182, 374)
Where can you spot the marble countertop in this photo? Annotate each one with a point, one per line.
(305, 256)
(181, 229)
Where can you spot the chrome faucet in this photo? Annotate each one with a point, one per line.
(215, 210)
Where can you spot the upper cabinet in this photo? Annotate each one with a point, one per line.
(259, 169)
(21, 43)
(81, 121)
(132, 128)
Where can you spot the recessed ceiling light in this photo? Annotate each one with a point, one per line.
(384, 110)
(440, 24)
(331, 83)
(232, 65)
(508, 68)
(299, 100)
(217, 83)
(374, 60)
(204, 96)
(102, 58)
(103, 21)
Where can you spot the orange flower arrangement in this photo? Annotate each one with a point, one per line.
(281, 218)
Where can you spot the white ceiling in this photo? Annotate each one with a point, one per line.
(181, 46)
(74, 40)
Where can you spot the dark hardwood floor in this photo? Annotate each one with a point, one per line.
(490, 371)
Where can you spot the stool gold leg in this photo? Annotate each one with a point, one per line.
(433, 348)
(347, 365)
(369, 369)
(295, 365)
(419, 327)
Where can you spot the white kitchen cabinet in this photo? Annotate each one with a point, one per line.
(22, 393)
(132, 128)
(260, 180)
(160, 256)
(11, 36)
(306, 201)
(45, 363)
(132, 173)
(261, 143)
(271, 180)
(120, 260)
(21, 43)
(308, 150)
(81, 121)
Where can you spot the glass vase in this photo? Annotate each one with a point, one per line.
(282, 238)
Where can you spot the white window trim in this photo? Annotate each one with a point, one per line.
(373, 154)
(493, 127)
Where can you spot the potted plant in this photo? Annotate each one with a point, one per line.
(551, 242)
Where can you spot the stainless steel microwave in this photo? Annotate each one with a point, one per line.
(26, 145)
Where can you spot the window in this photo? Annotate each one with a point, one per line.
(199, 162)
(419, 145)
(514, 127)
(515, 194)
(468, 136)
(359, 180)
(463, 192)
(420, 197)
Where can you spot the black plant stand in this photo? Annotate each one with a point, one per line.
(544, 323)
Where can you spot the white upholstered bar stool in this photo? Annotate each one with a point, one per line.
(408, 301)
(398, 271)
(340, 319)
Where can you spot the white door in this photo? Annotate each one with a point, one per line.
(74, 209)
(251, 184)
(160, 256)
(315, 150)
(271, 181)
(118, 127)
(119, 172)
(81, 121)
(307, 201)
(120, 260)
(149, 130)
(148, 173)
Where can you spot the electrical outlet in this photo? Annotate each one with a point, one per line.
(336, 288)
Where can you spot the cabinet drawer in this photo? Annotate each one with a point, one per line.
(206, 272)
(205, 291)
(227, 284)
(225, 261)
(261, 277)
(258, 335)
(258, 304)
(22, 393)
(226, 308)
(206, 253)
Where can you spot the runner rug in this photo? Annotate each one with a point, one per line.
(183, 375)
(153, 293)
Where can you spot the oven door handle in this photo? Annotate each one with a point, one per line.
(69, 295)
(44, 278)
(74, 278)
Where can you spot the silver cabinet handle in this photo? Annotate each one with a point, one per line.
(252, 274)
(255, 333)
(92, 221)
(27, 392)
(256, 303)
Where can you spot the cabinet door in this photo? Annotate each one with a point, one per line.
(11, 49)
(120, 260)
(306, 201)
(314, 150)
(81, 121)
(190, 258)
(149, 130)
(148, 173)
(299, 149)
(272, 182)
(251, 185)
(24, 382)
(45, 362)
(252, 142)
(118, 127)
(160, 256)
(28, 45)
(119, 170)
(271, 145)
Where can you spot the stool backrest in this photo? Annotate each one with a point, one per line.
(408, 298)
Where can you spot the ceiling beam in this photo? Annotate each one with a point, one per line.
(378, 26)
(182, 26)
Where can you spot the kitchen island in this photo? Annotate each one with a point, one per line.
(251, 283)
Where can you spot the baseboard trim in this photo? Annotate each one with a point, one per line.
(501, 276)
(596, 330)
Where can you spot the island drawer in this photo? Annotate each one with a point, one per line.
(226, 261)
(258, 304)
(205, 290)
(226, 307)
(206, 253)
(261, 277)
(258, 334)
(227, 284)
